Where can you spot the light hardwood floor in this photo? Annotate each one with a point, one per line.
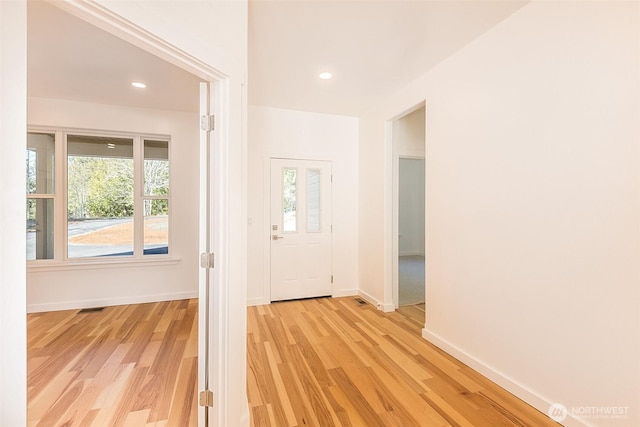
(336, 362)
(130, 365)
(325, 362)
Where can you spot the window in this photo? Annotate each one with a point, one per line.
(155, 197)
(289, 202)
(116, 192)
(40, 195)
(100, 203)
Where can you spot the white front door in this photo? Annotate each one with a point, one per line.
(300, 229)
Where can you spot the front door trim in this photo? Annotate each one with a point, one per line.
(266, 229)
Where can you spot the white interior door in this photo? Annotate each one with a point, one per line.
(300, 229)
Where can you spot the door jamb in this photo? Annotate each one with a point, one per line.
(391, 249)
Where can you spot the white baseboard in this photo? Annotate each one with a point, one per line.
(387, 308)
(520, 391)
(257, 301)
(345, 293)
(378, 304)
(245, 420)
(106, 302)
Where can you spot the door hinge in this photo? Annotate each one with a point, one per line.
(332, 278)
(207, 260)
(207, 122)
(206, 398)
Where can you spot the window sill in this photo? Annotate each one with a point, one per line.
(96, 264)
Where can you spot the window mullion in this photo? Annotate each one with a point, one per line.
(138, 200)
(60, 198)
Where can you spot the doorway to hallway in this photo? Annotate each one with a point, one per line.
(409, 208)
(411, 232)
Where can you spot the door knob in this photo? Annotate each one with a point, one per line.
(276, 237)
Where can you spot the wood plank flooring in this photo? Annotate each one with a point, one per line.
(336, 362)
(325, 362)
(132, 365)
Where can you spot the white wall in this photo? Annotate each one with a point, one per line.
(409, 134)
(276, 132)
(64, 287)
(532, 204)
(13, 118)
(411, 231)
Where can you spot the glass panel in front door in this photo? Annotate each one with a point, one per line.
(289, 200)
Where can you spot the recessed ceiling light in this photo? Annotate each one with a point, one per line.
(138, 85)
(325, 75)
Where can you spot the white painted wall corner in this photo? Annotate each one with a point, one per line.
(345, 293)
(375, 302)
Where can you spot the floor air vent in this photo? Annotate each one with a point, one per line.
(91, 310)
(360, 301)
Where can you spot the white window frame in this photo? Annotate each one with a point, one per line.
(50, 196)
(61, 260)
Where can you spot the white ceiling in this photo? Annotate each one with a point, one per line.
(68, 58)
(371, 47)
